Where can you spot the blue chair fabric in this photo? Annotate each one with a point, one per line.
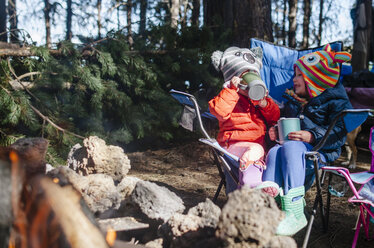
(277, 71)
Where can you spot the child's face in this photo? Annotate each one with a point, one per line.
(299, 84)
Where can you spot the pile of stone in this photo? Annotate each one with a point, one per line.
(99, 172)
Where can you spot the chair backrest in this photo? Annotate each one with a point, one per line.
(277, 71)
(189, 102)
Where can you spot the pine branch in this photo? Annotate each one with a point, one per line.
(45, 118)
(19, 80)
(17, 84)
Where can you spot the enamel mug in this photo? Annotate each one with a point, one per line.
(286, 126)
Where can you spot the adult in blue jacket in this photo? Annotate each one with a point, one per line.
(316, 98)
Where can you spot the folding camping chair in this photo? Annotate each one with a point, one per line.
(352, 118)
(363, 197)
(227, 163)
(277, 73)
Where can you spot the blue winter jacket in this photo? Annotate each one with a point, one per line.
(317, 115)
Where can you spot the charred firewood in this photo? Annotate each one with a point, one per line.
(37, 210)
(32, 154)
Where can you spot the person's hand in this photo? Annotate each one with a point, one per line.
(272, 133)
(302, 135)
(235, 81)
(263, 102)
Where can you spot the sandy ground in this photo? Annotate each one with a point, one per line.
(189, 171)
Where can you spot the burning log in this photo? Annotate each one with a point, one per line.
(35, 209)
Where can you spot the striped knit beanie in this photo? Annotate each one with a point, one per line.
(321, 69)
(234, 61)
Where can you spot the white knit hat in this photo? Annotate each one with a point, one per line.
(234, 61)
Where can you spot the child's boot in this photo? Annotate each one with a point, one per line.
(293, 205)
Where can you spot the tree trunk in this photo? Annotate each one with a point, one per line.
(362, 35)
(251, 19)
(319, 36)
(47, 20)
(306, 23)
(174, 13)
(195, 13)
(98, 6)
(369, 25)
(292, 4)
(284, 22)
(129, 22)
(13, 20)
(69, 17)
(183, 15)
(143, 16)
(3, 15)
(214, 12)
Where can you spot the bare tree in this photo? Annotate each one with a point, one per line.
(306, 22)
(183, 14)
(174, 12)
(214, 12)
(47, 20)
(13, 21)
(195, 12)
(284, 22)
(249, 18)
(319, 36)
(3, 16)
(292, 4)
(143, 16)
(69, 17)
(98, 7)
(362, 35)
(129, 23)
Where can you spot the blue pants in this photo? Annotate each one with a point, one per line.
(286, 165)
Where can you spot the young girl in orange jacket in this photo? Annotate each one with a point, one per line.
(243, 122)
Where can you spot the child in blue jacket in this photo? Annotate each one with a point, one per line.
(316, 98)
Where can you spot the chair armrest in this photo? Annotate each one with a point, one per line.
(359, 115)
(214, 144)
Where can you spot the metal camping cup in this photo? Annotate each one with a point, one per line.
(286, 126)
(255, 86)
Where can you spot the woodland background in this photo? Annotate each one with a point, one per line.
(112, 80)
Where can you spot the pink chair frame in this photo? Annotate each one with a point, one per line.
(364, 204)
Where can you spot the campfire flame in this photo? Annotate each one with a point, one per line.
(111, 236)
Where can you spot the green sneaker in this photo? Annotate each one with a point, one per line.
(295, 219)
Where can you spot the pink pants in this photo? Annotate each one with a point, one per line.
(248, 151)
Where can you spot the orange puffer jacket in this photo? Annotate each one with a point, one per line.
(239, 119)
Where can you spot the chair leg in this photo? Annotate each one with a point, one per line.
(357, 232)
(317, 201)
(221, 183)
(328, 201)
(308, 230)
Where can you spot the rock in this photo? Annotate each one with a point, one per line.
(48, 168)
(188, 230)
(97, 157)
(157, 243)
(156, 202)
(248, 219)
(208, 213)
(126, 186)
(98, 190)
(281, 242)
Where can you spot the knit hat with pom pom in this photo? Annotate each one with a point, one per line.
(234, 61)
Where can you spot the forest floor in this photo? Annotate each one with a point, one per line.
(188, 170)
